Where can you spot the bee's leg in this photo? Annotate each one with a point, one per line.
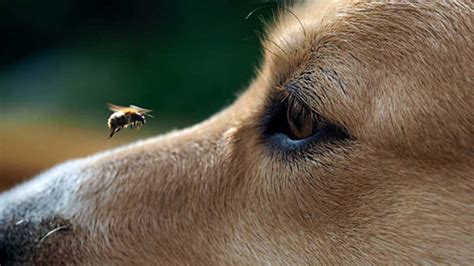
(115, 130)
(131, 125)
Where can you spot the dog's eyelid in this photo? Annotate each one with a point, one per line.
(296, 91)
(300, 94)
(292, 87)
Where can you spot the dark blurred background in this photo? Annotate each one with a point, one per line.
(61, 61)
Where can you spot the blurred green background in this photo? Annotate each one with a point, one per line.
(61, 61)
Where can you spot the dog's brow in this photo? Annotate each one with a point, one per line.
(316, 87)
(304, 94)
(333, 77)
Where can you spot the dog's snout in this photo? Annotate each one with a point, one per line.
(31, 223)
(24, 241)
(16, 241)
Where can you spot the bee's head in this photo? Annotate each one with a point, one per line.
(137, 117)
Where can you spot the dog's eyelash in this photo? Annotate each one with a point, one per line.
(294, 102)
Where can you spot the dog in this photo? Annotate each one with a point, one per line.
(352, 145)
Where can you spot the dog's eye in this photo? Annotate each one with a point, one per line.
(301, 122)
(293, 125)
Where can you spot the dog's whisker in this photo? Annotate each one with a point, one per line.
(297, 18)
(255, 10)
(283, 8)
(263, 37)
(270, 51)
(57, 229)
(21, 221)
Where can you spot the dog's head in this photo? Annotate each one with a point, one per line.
(352, 144)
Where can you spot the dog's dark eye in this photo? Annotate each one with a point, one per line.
(301, 123)
(293, 125)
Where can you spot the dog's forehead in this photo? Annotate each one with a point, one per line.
(296, 27)
(290, 43)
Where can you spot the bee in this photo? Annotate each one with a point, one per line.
(123, 117)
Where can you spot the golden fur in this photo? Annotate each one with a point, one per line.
(397, 76)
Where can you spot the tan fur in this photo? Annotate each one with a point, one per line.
(397, 76)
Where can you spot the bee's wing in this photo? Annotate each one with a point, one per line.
(115, 108)
(141, 110)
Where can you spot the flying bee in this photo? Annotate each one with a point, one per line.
(123, 117)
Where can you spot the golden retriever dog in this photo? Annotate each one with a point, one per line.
(352, 145)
